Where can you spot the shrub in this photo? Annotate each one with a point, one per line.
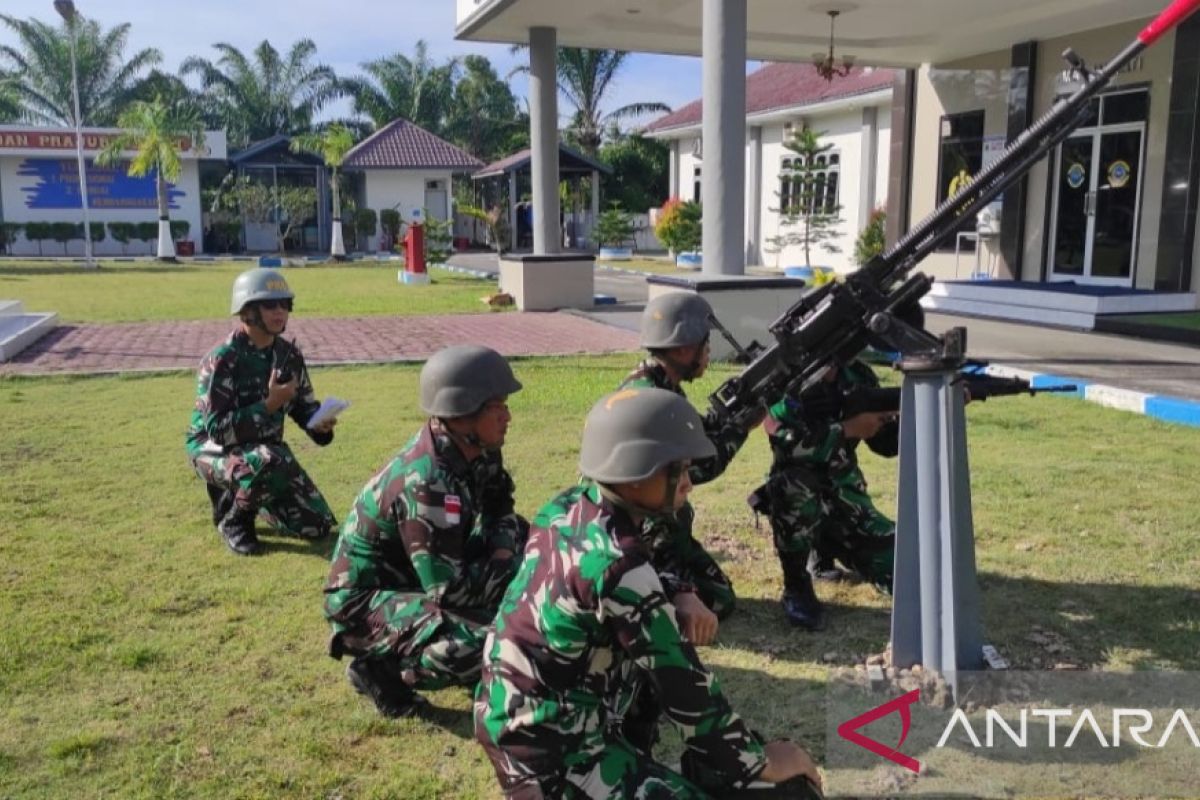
(145, 231)
(389, 221)
(64, 232)
(8, 234)
(438, 238)
(121, 232)
(614, 227)
(180, 229)
(38, 232)
(872, 238)
(679, 225)
(365, 224)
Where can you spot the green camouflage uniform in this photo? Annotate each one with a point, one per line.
(237, 446)
(413, 580)
(587, 612)
(816, 496)
(676, 551)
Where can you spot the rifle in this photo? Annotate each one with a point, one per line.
(833, 321)
(831, 403)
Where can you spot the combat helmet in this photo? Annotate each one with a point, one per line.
(258, 284)
(457, 381)
(676, 319)
(633, 433)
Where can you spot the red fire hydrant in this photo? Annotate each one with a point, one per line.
(414, 255)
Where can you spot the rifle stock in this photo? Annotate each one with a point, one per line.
(835, 320)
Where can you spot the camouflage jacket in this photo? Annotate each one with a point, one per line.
(725, 436)
(231, 395)
(814, 441)
(429, 522)
(584, 613)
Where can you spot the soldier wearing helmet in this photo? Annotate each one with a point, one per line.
(588, 620)
(235, 442)
(675, 330)
(431, 542)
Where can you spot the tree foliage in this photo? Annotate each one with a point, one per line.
(38, 67)
(640, 169)
(483, 118)
(265, 93)
(415, 89)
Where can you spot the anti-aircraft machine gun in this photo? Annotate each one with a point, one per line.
(935, 619)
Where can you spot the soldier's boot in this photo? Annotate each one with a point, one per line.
(800, 603)
(824, 568)
(373, 678)
(237, 529)
(222, 501)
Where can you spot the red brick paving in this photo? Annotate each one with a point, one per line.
(181, 345)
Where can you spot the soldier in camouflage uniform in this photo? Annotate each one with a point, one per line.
(431, 542)
(235, 442)
(675, 329)
(588, 615)
(816, 496)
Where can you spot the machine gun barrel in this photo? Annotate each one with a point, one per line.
(837, 318)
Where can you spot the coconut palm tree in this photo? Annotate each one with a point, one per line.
(585, 77)
(10, 106)
(332, 145)
(415, 89)
(264, 94)
(39, 65)
(155, 133)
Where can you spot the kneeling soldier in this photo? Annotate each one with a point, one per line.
(431, 542)
(235, 442)
(587, 619)
(675, 330)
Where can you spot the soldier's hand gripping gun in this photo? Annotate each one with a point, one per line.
(834, 321)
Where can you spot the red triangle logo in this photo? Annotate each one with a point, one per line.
(848, 730)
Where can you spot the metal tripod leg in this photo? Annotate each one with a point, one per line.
(936, 608)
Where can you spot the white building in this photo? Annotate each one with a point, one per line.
(852, 113)
(39, 182)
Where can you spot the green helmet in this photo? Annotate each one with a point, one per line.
(457, 381)
(258, 284)
(633, 433)
(676, 319)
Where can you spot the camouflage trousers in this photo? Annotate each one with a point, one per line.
(677, 552)
(609, 769)
(830, 514)
(430, 646)
(268, 479)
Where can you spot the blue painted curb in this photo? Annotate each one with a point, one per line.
(1173, 409)
(604, 300)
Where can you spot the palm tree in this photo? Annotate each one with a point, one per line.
(40, 68)
(10, 107)
(261, 96)
(332, 145)
(155, 132)
(584, 78)
(414, 89)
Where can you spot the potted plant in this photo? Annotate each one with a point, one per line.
(613, 229)
(872, 238)
(808, 210)
(679, 228)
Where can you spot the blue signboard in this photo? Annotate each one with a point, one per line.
(57, 186)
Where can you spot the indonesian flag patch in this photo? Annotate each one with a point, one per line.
(453, 506)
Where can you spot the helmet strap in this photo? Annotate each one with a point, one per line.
(686, 370)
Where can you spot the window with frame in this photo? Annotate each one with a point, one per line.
(820, 196)
(960, 157)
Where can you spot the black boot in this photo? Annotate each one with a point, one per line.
(222, 501)
(237, 529)
(824, 568)
(372, 678)
(800, 603)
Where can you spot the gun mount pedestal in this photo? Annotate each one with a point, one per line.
(936, 606)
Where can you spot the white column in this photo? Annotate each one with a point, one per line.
(595, 208)
(754, 196)
(724, 134)
(512, 210)
(673, 176)
(543, 136)
(868, 168)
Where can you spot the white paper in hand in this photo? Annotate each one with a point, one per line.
(330, 408)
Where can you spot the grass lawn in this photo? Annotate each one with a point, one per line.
(1189, 320)
(146, 291)
(659, 266)
(139, 659)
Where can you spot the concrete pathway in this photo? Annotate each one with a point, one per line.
(181, 345)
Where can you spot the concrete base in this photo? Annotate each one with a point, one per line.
(745, 304)
(548, 283)
(1061, 304)
(18, 330)
(412, 278)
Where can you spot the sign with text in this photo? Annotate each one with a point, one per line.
(54, 183)
(25, 139)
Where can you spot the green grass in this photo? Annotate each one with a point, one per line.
(1189, 320)
(139, 659)
(146, 291)
(659, 266)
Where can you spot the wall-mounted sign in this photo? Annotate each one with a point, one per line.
(54, 183)
(1068, 80)
(1076, 175)
(24, 139)
(1119, 173)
